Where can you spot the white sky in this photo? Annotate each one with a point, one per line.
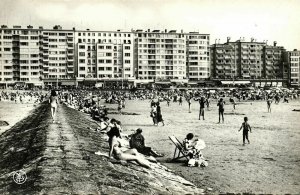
(272, 20)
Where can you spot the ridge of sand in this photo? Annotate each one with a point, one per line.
(60, 158)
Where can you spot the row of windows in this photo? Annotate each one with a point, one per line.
(115, 41)
(105, 34)
(22, 32)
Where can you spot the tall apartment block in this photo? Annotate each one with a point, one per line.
(252, 61)
(293, 60)
(172, 56)
(58, 55)
(20, 56)
(198, 56)
(161, 56)
(38, 56)
(104, 55)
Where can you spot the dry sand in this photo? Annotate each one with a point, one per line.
(270, 164)
(12, 113)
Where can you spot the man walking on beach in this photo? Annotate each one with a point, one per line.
(202, 105)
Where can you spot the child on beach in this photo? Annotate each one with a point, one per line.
(246, 127)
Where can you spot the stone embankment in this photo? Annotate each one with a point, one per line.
(60, 158)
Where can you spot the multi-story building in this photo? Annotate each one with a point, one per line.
(251, 61)
(172, 56)
(58, 55)
(20, 56)
(293, 60)
(198, 57)
(104, 55)
(161, 56)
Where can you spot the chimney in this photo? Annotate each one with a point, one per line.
(274, 43)
(252, 39)
(166, 31)
(148, 30)
(181, 30)
(228, 39)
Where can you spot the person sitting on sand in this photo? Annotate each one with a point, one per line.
(116, 150)
(137, 141)
(189, 146)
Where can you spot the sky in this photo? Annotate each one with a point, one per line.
(272, 20)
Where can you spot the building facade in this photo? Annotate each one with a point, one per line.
(293, 60)
(21, 60)
(252, 61)
(58, 55)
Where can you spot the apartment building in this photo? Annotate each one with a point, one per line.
(20, 56)
(161, 56)
(293, 60)
(104, 55)
(58, 55)
(274, 65)
(252, 61)
(197, 55)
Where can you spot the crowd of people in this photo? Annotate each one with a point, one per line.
(132, 147)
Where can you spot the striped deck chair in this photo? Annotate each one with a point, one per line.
(179, 152)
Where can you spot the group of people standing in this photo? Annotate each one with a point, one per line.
(155, 113)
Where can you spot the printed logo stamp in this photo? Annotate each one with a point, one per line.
(19, 176)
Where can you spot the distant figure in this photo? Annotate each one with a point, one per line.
(207, 103)
(153, 113)
(53, 104)
(202, 105)
(285, 99)
(269, 102)
(246, 127)
(233, 102)
(189, 100)
(180, 101)
(159, 115)
(221, 109)
(168, 101)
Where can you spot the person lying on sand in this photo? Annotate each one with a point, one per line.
(119, 153)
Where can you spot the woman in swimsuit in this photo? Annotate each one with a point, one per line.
(119, 153)
(53, 104)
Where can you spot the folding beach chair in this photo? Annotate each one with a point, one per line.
(179, 149)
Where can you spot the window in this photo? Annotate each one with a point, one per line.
(82, 68)
(81, 46)
(127, 47)
(108, 54)
(108, 61)
(81, 53)
(100, 47)
(127, 61)
(108, 47)
(127, 54)
(101, 61)
(101, 68)
(81, 60)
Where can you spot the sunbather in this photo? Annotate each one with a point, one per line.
(119, 153)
